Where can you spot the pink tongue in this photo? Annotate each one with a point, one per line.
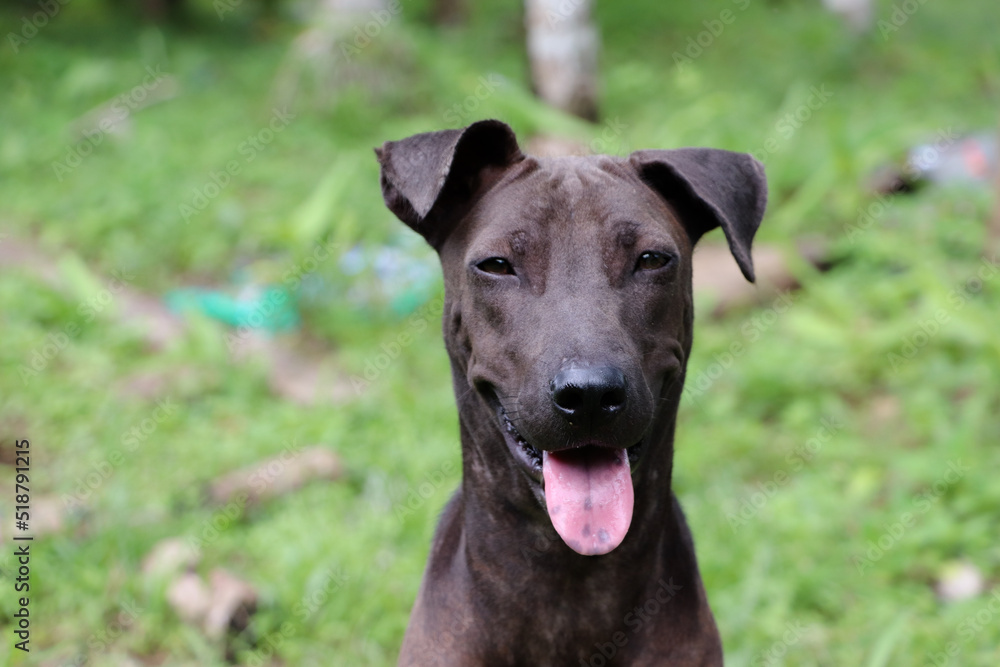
(588, 492)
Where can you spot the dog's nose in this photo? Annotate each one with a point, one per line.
(590, 395)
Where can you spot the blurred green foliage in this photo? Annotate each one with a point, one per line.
(804, 557)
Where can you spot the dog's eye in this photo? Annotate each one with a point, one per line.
(651, 260)
(496, 265)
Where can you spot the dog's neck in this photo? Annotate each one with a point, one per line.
(520, 578)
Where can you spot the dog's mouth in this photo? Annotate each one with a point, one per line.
(586, 489)
(532, 457)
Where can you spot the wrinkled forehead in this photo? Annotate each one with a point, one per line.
(569, 195)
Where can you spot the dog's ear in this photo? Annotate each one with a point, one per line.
(710, 188)
(431, 180)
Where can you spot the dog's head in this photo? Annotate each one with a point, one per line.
(568, 309)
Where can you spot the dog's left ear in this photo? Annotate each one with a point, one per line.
(710, 188)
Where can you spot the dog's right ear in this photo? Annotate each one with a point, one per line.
(431, 180)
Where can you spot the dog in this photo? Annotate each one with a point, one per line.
(568, 323)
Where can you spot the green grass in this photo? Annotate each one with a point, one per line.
(893, 422)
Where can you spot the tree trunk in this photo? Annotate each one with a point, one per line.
(562, 51)
(327, 53)
(449, 12)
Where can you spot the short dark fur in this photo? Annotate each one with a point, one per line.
(501, 587)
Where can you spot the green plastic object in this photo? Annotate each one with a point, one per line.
(269, 308)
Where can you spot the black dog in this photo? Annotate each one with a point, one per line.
(567, 318)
